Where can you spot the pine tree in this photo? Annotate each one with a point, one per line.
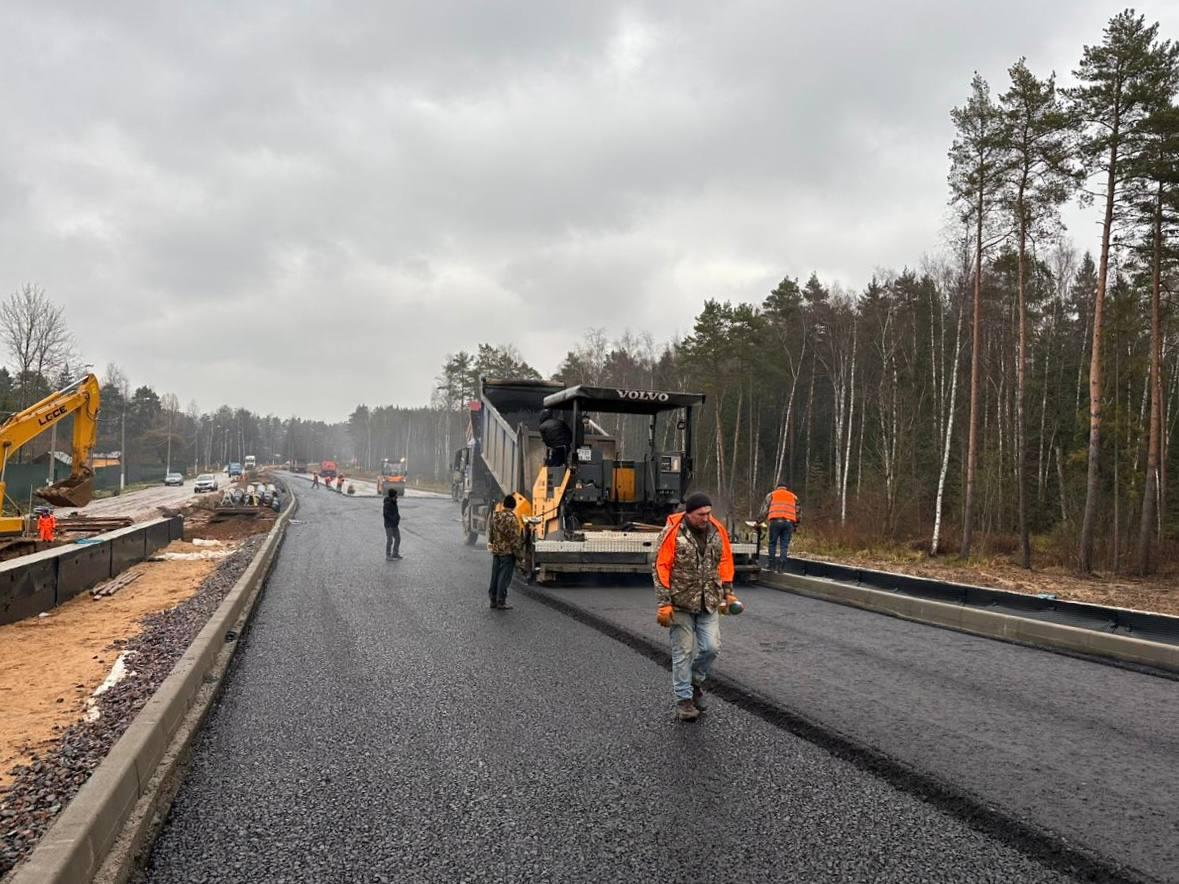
(979, 158)
(1121, 81)
(1039, 178)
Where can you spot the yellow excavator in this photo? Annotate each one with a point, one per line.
(81, 399)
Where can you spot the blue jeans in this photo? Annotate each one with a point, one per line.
(502, 568)
(781, 530)
(695, 641)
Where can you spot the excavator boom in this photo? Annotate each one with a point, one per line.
(80, 399)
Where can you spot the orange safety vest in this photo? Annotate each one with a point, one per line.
(783, 505)
(666, 557)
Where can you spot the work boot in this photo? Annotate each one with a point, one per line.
(494, 604)
(685, 710)
(504, 606)
(698, 698)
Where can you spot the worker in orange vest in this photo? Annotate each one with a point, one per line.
(47, 526)
(780, 510)
(693, 573)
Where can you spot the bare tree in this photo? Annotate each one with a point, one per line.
(34, 330)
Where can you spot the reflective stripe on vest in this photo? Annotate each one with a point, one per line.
(783, 505)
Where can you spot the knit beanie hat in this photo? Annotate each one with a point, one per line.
(696, 501)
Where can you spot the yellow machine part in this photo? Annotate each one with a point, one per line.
(624, 484)
(522, 511)
(546, 499)
(80, 399)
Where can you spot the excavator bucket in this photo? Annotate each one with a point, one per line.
(75, 491)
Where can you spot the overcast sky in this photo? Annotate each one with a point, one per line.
(299, 206)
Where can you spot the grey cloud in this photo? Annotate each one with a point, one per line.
(350, 191)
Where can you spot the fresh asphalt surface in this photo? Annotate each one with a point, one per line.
(1074, 747)
(381, 724)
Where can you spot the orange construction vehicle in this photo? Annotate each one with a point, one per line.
(393, 475)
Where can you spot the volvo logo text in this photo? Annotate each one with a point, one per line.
(642, 395)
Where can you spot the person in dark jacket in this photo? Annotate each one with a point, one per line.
(392, 526)
(557, 437)
(505, 542)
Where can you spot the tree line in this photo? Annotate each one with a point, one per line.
(1015, 391)
(1013, 386)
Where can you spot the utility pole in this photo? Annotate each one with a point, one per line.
(168, 458)
(123, 452)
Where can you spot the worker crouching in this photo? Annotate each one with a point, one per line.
(693, 576)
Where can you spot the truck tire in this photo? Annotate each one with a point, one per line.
(470, 534)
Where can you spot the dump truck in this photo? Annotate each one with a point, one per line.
(594, 509)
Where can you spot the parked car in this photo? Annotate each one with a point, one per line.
(205, 482)
(235, 469)
(176, 479)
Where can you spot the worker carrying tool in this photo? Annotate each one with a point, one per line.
(557, 437)
(46, 525)
(693, 576)
(780, 510)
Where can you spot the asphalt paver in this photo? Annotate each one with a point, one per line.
(381, 723)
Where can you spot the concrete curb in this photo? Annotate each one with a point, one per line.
(80, 839)
(988, 624)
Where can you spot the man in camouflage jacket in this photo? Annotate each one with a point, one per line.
(693, 576)
(505, 542)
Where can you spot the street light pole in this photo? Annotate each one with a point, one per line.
(168, 458)
(123, 452)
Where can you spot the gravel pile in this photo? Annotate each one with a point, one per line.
(42, 787)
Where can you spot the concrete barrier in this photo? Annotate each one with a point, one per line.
(28, 585)
(989, 624)
(81, 567)
(43, 580)
(124, 790)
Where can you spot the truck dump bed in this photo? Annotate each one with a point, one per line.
(508, 442)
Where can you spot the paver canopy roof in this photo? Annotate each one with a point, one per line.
(619, 400)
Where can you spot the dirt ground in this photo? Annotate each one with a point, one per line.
(1159, 595)
(50, 665)
(199, 524)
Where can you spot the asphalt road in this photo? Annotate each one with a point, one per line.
(364, 488)
(381, 724)
(1081, 749)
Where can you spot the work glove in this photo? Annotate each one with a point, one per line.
(665, 616)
